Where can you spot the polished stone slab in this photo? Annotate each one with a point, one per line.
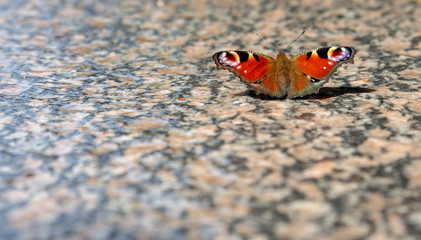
(115, 123)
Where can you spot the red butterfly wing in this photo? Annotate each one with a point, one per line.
(314, 68)
(321, 63)
(256, 70)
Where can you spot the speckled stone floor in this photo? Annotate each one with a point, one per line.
(115, 123)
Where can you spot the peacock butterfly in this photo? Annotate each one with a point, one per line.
(292, 77)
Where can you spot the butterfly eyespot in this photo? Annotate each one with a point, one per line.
(258, 81)
(313, 80)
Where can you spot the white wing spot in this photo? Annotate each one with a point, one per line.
(224, 61)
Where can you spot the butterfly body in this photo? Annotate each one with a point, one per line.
(300, 75)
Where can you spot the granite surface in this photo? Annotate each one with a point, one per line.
(115, 123)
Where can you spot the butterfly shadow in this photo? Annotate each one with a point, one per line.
(324, 92)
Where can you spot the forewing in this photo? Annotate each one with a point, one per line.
(254, 69)
(314, 68)
(321, 63)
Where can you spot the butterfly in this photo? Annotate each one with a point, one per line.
(292, 77)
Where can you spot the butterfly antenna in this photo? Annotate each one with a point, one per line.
(273, 45)
(295, 40)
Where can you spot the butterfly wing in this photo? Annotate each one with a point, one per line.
(254, 69)
(314, 68)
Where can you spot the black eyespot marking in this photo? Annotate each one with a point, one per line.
(309, 55)
(256, 57)
(322, 52)
(314, 80)
(244, 56)
(258, 81)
